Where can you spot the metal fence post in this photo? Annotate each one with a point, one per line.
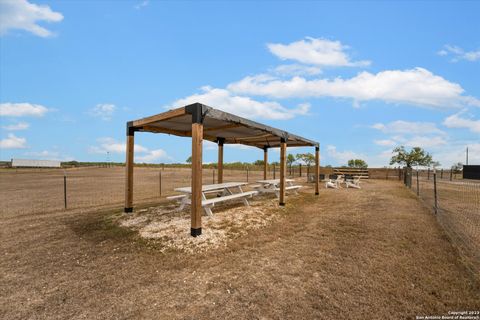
(300, 170)
(450, 174)
(65, 190)
(160, 183)
(418, 186)
(435, 191)
(213, 176)
(274, 171)
(308, 171)
(441, 174)
(428, 174)
(247, 174)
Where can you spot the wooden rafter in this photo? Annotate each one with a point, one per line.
(166, 130)
(256, 137)
(228, 126)
(160, 117)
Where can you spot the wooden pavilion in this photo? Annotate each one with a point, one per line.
(203, 122)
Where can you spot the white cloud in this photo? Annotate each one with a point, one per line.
(297, 70)
(342, 157)
(142, 154)
(209, 145)
(153, 156)
(458, 53)
(44, 154)
(17, 126)
(385, 142)
(408, 127)
(20, 14)
(322, 52)
(22, 110)
(411, 134)
(103, 111)
(111, 145)
(415, 86)
(141, 4)
(49, 155)
(456, 121)
(454, 152)
(13, 142)
(425, 142)
(242, 106)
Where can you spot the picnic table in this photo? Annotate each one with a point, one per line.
(273, 186)
(225, 192)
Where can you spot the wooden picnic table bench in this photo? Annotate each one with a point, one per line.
(273, 186)
(226, 192)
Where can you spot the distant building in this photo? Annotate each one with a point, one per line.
(26, 163)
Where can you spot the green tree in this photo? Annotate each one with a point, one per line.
(290, 159)
(415, 157)
(306, 158)
(357, 163)
(259, 163)
(189, 160)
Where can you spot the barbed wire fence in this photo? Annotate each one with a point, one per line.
(456, 205)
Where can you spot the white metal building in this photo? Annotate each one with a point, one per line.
(18, 163)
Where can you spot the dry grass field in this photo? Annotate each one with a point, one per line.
(26, 191)
(374, 253)
(458, 212)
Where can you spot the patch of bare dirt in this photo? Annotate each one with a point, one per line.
(167, 225)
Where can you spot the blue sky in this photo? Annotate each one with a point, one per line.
(360, 77)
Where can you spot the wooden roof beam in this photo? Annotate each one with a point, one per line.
(160, 117)
(228, 126)
(165, 130)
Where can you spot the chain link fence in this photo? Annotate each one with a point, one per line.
(456, 205)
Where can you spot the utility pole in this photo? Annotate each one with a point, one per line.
(467, 157)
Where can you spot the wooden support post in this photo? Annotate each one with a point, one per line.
(196, 202)
(317, 169)
(265, 162)
(283, 170)
(129, 169)
(220, 159)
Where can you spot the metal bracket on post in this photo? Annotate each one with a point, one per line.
(195, 232)
(220, 141)
(131, 129)
(197, 112)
